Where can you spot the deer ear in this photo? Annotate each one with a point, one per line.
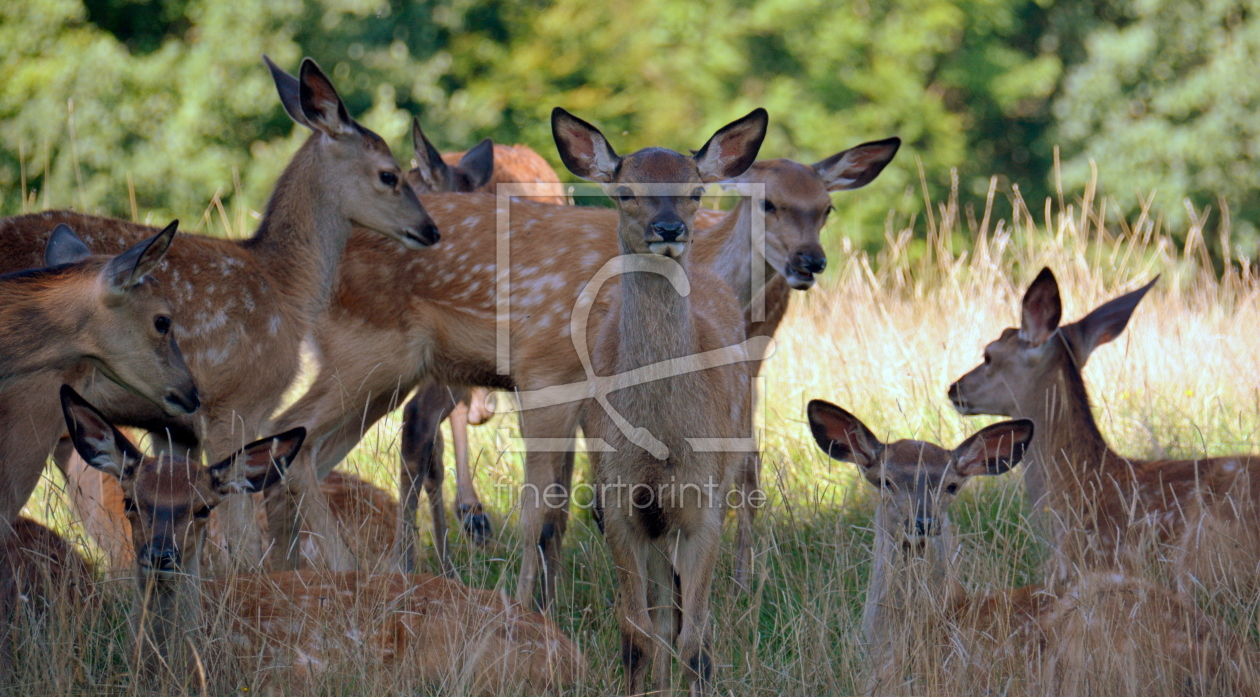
(433, 171)
(99, 444)
(1042, 309)
(128, 269)
(842, 435)
(478, 164)
(994, 449)
(258, 465)
(1105, 323)
(64, 247)
(583, 149)
(290, 90)
(321, 105)
(733, 149)
(858, 166)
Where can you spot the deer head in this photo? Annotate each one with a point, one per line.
(654, 221)
(798, 201)
(432, 174)
(168, 499)
(353, 161)
(917, 481)
(1018, 366)
(125, 329)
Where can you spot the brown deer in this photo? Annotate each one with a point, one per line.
(245, 306)
(373, 353)
(1106, 634)
(1105, 509)
(480, 169)
(661, 490)
(300, 628)
(76, 313)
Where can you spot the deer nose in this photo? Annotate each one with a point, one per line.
(186, 402)
(924, 525)
(160, 558)
(669, 231)
(955, 395)
(810, 262)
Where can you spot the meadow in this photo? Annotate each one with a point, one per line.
(882, 336)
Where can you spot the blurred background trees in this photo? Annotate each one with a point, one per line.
(168, 101)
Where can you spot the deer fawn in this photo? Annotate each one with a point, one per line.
(299, 627)
(245, 306)
(663, 516)
(80, 310)
(1107, 634)
(1103, 508)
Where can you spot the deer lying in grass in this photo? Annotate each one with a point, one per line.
(48, 568)
(1106, 634)
(1103, 508)
(373, 353)
(300, 628)
(661, 490)
(78, 311)
(245, 306)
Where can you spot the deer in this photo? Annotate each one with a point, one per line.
(373, 354)
(298, 628)
(1105, 510)
(1108, 633)
(663, 516)
(246, 305)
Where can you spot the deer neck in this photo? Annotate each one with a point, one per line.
(655, 323)
(38, 333)
(1067, 442)
(733, 257)
(907, 583)
(303, 233)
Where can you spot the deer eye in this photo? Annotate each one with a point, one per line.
(129, 505)
(202, 512)
(389, 179)
(162, 324)
(623, 194)
(695, 195)
(768, 207)
(885, 484)
(951, 489)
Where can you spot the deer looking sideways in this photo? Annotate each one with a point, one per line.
(1106, 634)
(245, 306)
(373, 354)
(79, 309)
(662, 494)
(299, 628)
(1103, 508)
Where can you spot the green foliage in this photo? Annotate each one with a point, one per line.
(1167, 101)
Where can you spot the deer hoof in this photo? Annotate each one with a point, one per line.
(476, 523)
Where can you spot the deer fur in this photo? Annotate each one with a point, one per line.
(1105, 634)
(298, 629)
(1105, 510)
(663, 496)
(244, 306)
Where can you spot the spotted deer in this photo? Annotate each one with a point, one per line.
(1106, 634)
(661, 490)
(1105, 510)
(76, 313)
(297, 630)
(373, 353)
(244, 306)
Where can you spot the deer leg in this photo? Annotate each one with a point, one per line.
(545, 498)
(696, 557)
(661, 607)
(630, 559)
(422, 465)
(748, 481)
(467, 504)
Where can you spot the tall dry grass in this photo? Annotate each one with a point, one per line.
(883, 337)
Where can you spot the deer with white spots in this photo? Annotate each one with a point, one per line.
(299, 629)
(661, 492)
(1103, 509)
(1107, 633)
(78, 311)
(242, 307)
(373, 353)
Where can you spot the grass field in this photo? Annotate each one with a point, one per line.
(883, 337)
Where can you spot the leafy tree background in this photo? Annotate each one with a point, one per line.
(170, 100)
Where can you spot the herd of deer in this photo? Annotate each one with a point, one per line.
(195, 340)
